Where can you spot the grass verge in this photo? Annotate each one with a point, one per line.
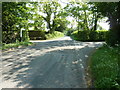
(54, 35)
(105, 67)
(14, 45)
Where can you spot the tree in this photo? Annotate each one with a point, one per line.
(49, 12)
(108, 9)
(81, 12)
(111, 10)
(61, 24)
(95, 16)
(15, 16)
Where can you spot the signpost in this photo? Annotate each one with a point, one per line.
(21, 34)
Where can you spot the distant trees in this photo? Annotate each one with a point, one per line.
(86, 15)
(79, 12)
(49, 12)
(61, 24)
(17, 16)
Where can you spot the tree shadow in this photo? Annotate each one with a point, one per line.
(55, 64)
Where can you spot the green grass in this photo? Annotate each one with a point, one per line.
(13, 45)
(54, 35)
(105, 67)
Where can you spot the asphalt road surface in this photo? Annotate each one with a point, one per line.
(58, 63)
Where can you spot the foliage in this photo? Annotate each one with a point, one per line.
(37, 35)
(85, 14)
(105, 68)
(69, 32)
(54, 35)
(25, 36)
(14, 17)
(61, 24)
(19, 15)
(49, 12)
(109, 9)
(99, 35)
(79, 12)
(112, 11)
(9, 37)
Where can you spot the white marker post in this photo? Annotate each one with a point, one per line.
(21, 35)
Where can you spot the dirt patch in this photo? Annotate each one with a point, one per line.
(89, 78)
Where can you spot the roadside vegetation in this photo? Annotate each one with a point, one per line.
(42, 35)
(105, 68)
(15, 45)
(54, 35)
(105, 62)
(84, 35)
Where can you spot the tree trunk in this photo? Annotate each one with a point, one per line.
(113, 21)
(119, 42)
(85, 21)
(118, 9)
(95, 23)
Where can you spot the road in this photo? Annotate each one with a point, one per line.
(58, 63)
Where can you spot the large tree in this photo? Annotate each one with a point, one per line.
(108, 9)
(111, 10)
(49, 12)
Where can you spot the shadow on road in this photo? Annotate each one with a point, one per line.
(52, 64)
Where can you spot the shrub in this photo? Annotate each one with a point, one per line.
(55, 34)
(25, 36)
(99, 35)
(37, 35)
(10, 36)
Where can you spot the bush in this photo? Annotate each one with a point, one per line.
(69, 32)
(25, 36)
(10, 36)
(55, 34)
(37, 35)
(99, 35)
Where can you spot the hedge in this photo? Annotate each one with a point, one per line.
(10, 36)
(37, 35)
(99, 35)
(42, 35)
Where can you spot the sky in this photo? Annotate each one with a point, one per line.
(104, 24)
